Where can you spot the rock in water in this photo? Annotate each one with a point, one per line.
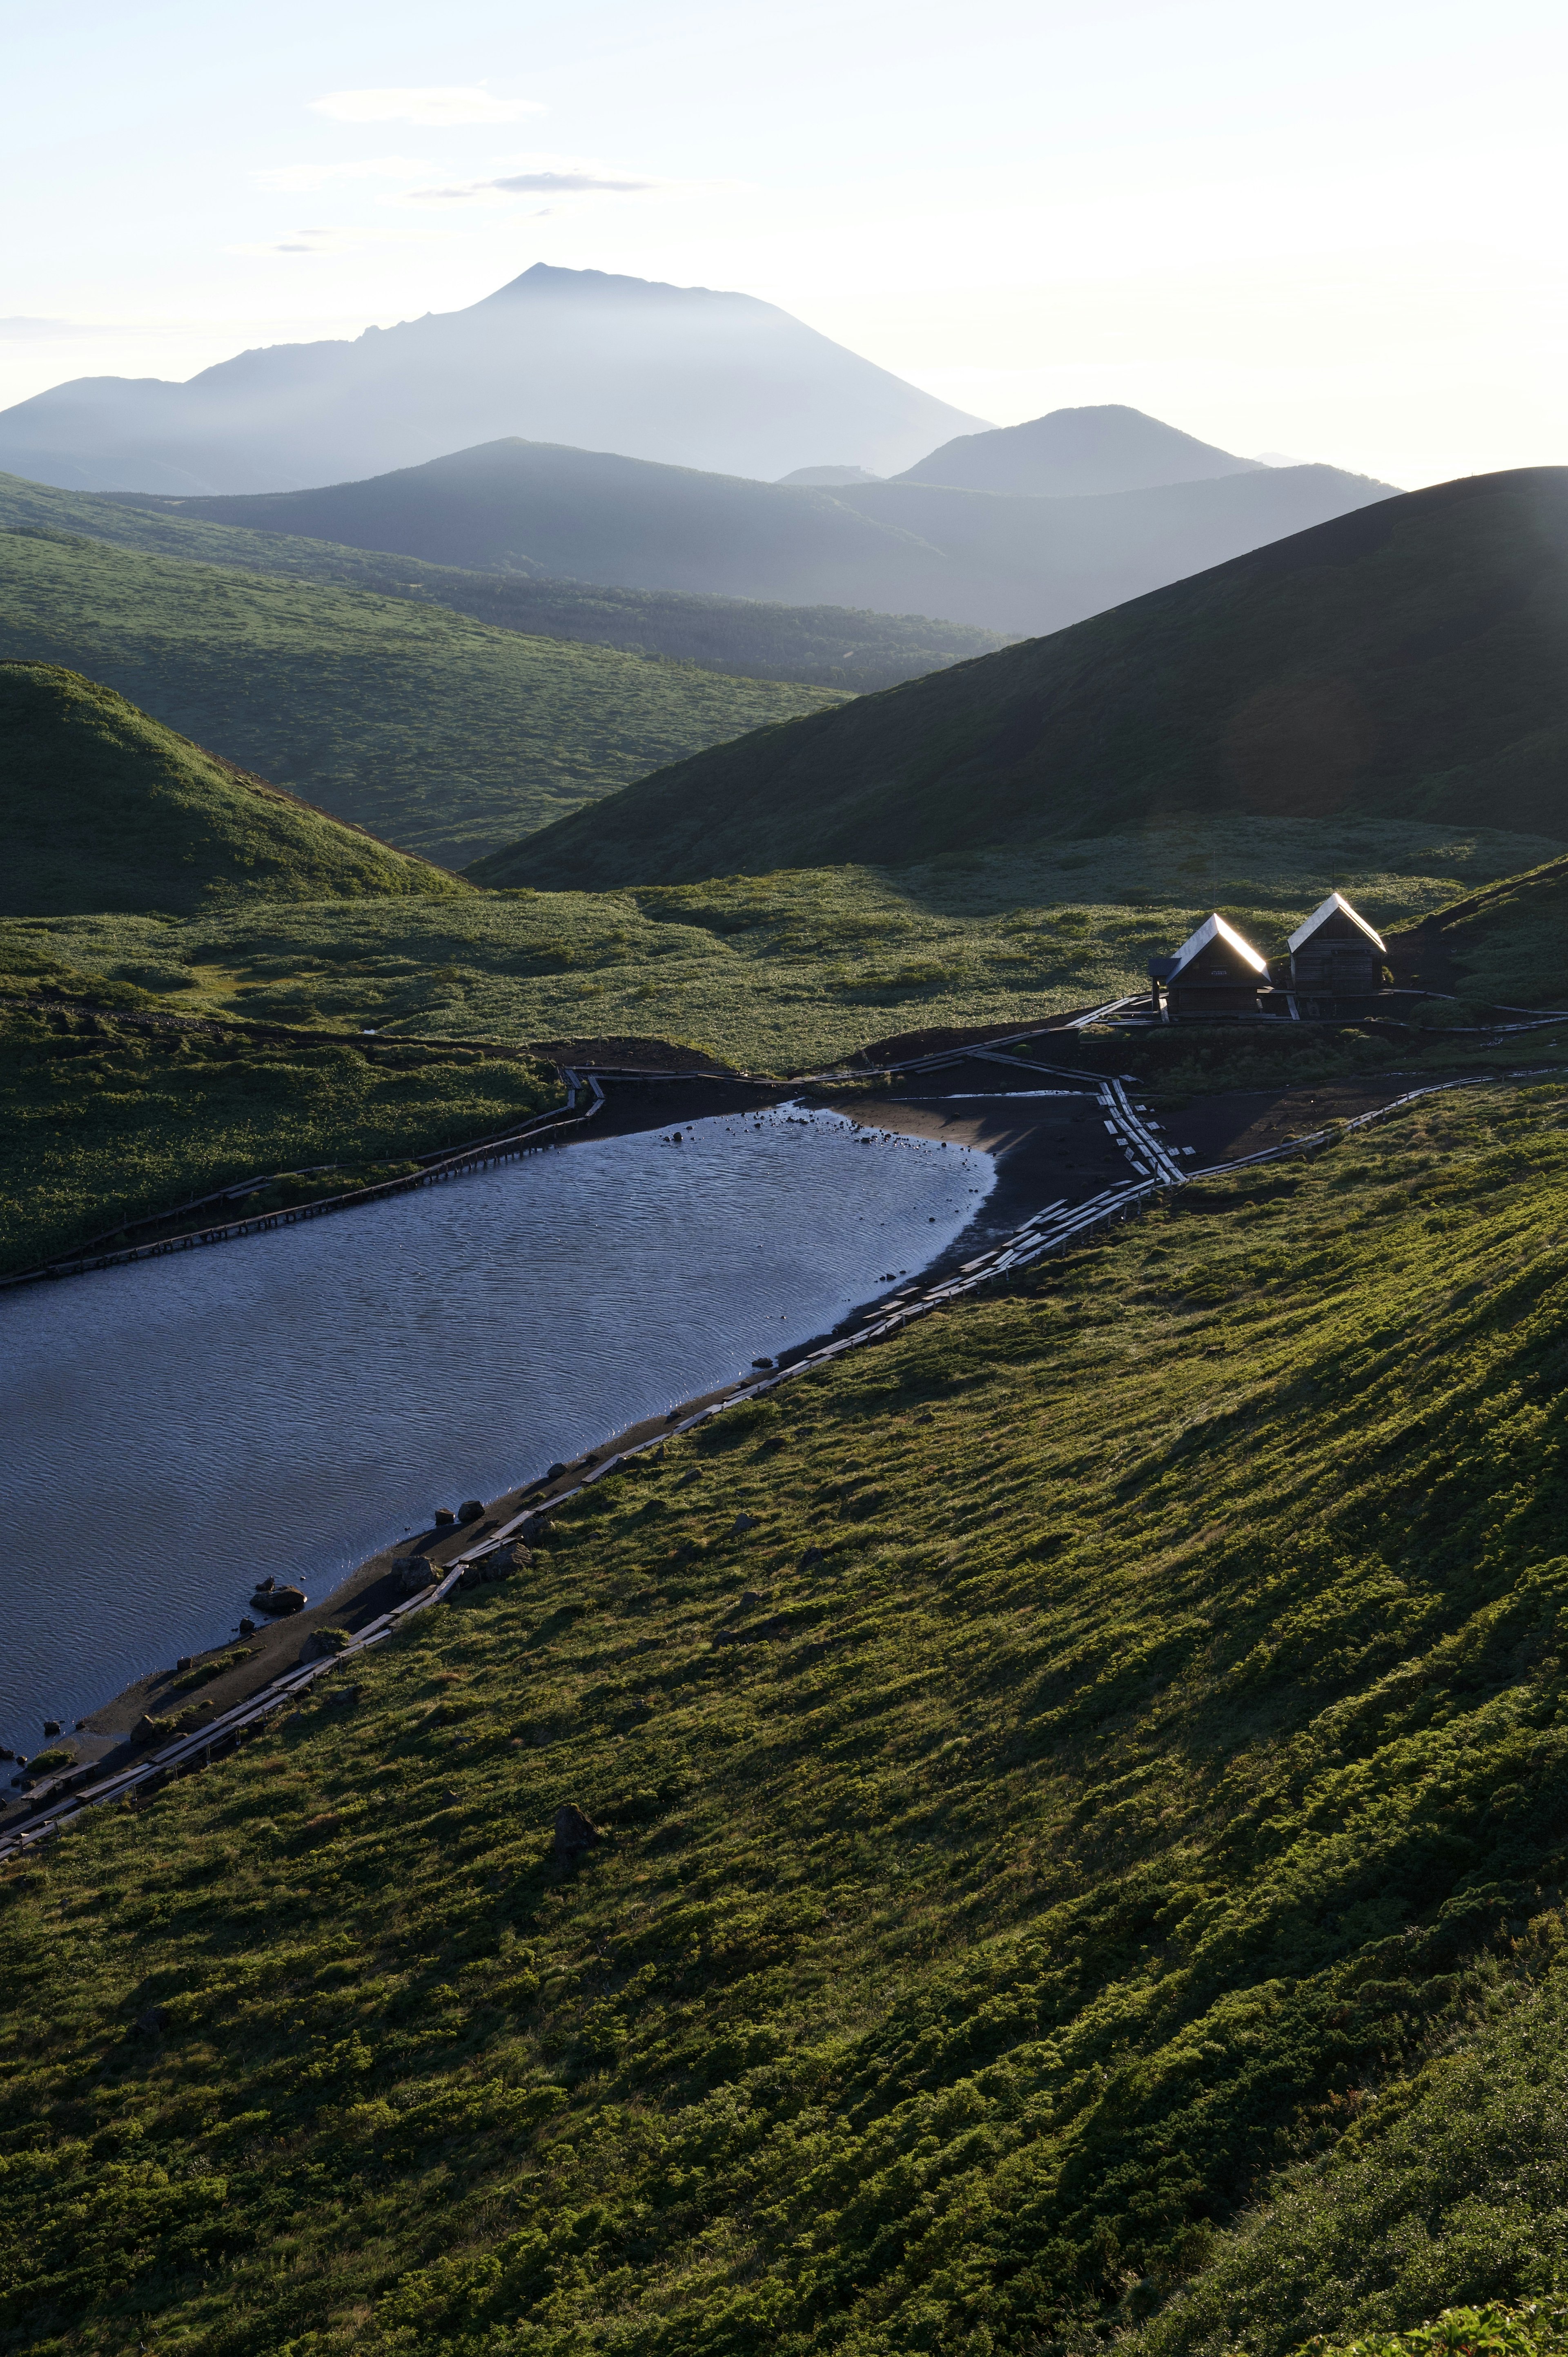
(271, 1597)
(414, 1572)
(574, 1832)
(51, 1726)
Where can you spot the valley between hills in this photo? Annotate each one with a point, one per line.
(1075, 1851)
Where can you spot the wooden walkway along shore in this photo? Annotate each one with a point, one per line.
(1055, 1230)
(506, 1146)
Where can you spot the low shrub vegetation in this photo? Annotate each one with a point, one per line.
(1086, 1864)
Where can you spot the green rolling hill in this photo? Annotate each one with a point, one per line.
(822, 646)
(1406, 661)
(438, 732)
(102, 808)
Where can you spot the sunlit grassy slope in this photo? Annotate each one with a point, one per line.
(437, 732)
(828, 646)
(1405, 662)
(1089, 1857)
(102, 808)
(787, 971)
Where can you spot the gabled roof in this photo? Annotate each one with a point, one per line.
(1336, 905)
(1215, 928)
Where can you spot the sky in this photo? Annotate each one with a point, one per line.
(1333, 232)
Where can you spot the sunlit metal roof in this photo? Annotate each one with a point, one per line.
(1215, 928)
(1336, 905)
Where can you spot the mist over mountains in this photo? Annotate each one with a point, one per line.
(1004, 562)
(679, 374)
(1076, 453)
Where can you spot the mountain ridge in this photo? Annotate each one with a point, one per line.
(991, 561)
(1404, 661)
(683, 375)
(1077, 452)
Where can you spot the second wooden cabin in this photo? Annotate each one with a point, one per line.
(1336, 954)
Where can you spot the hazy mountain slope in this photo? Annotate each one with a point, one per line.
(679, 373)
(1074, 452)
(439, 734)
(826, 646)
(1404, 661)
(1001, 563)
(102, 807)
(1115, 1777)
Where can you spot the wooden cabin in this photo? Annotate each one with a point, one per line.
(1336, 954)
(1214, 972)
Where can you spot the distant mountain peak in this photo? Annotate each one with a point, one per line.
(1073, 453)
(686, 376)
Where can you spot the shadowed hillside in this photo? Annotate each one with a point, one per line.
(427, 726)
(998, 561)
(101, 808)
(1407, 661)
(826, 646)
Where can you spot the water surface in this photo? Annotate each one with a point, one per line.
(290, 1402)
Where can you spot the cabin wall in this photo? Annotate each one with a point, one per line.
(1348, 969)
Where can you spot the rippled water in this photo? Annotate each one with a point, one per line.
(290, 1402)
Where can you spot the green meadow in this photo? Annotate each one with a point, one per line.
(786, 973)
(1084, 1865)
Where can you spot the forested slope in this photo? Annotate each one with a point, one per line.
(444, 736)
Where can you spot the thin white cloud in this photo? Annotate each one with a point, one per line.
(438, 103)
(549, 175)
(536, 184)
(333, 238)
(298, 179)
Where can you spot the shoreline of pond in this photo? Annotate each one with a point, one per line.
(631, 1104)
(1018, 1127)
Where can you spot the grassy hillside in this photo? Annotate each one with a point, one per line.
(1088, 1858)
(1403, 663)
(825, 646)
(102, 1122)
(101, 808)
(438, 733)
(1007, 563)
(787, 972)
(1503, 943)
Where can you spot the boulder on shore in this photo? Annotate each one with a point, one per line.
(471, 1510)
(324, 1641)
(414, 1572)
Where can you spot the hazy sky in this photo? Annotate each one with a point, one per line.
(1335, 232)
